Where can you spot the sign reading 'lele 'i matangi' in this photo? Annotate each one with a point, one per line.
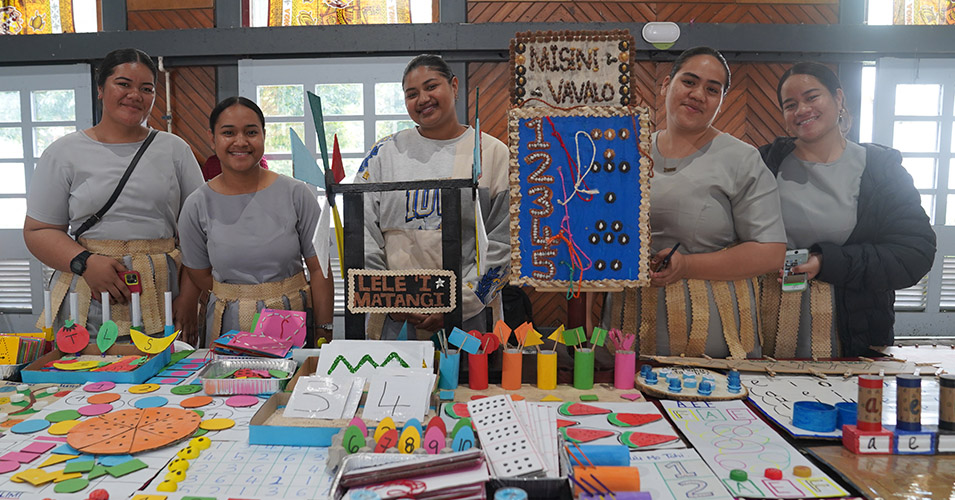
(421, 291)
(572, 68)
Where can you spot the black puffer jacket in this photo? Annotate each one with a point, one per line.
(891, 247)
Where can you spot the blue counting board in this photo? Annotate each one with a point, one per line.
(610, 226)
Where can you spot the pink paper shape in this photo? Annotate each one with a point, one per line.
(38, 447)
(20, 457)
(241, 401)
(282, 325)
(8, 466)
(632, 396)
(94, 410)
(259, 344)
(52, 438)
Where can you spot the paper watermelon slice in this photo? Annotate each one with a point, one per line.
(561, 423)
(584, 435)
(457, 410)
(632, 419)
(578, 409)
(643, 439)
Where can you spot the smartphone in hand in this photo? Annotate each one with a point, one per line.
(131, 278)
(795, 282)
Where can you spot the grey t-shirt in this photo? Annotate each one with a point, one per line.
(720, 195)
(250, 238)
(76, 175)
(819, 200)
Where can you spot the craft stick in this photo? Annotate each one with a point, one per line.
(602, 485)
(590, 485)
(571, 455)
(584, 455)
(867, 360)
(817, 373)
(582, 487)
(136, 312)
(512, 365)
(770, 358)
(104, 300)
(73, 305)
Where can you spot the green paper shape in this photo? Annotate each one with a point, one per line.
(588, 397)
(182, 390)
(127, 467)
(63, 415)
(107, 335)
(464, 422)
(71, 485)
(97, 471)
(304, 167)
(278, 373)
(200, 413)
(84, 466)
(353, 440)
(179, 356)
(315, 104)
(198, 498)
(199, 432)
(255, 317)
(598, 336)
(574, 336)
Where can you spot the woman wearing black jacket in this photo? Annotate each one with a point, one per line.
(857, 211)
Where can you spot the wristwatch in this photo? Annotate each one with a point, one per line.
(78, 264)
(326, 326)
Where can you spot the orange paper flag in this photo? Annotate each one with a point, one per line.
(521, 332)
(502, 331)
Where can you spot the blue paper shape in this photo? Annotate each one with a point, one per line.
(462, 340)
(111, 460)
(65, 449)
(304, 167)
(463, 440)
(413, 422)
(151, 402)
(403, 334)
(446, 395)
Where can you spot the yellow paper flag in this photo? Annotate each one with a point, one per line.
(533, 338)
(558, 335)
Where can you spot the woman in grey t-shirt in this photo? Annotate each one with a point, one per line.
(710, 193)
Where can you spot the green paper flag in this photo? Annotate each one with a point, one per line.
(598, 336)
(315, 103)
(574, 336)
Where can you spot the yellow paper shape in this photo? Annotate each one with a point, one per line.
(77, 366)
(502, 331)
(143, 388)
(149, 344)
(63, 476)
(551, 397)
(533, 338)
(57, 459)
(216, 424)
(150, 497)
(558, 335)
(383, 427)
(9, 346)
(36, 477)
(61, 429)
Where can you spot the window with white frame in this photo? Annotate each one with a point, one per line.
(362, 102)
(914, 112)
(38, 104)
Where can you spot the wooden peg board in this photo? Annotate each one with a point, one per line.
(661, 389)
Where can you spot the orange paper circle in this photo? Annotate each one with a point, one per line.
(216, 424)
(132, 431)
(62, 428)
(102, 398)
(196, 402)
(144, 388)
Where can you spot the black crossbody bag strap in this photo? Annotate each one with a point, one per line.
(119, 187)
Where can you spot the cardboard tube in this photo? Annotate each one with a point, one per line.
(869, 417)
(908, 403)
(584, 369)
(449, 366)
(477, 371)
(511, 369)
(601, 454)
(624, 369)
(616, 478)
(946, 410)
(547, 370)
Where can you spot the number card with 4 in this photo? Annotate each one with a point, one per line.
(399, 397)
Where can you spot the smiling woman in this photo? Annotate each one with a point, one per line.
(711, 195)
(245, 233)
(403, 229)
(76, 176)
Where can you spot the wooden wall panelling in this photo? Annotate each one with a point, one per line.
(193, 87)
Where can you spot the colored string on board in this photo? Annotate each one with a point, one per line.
(570, 281)
(567, 237)
(570, 163)
(529, 99)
